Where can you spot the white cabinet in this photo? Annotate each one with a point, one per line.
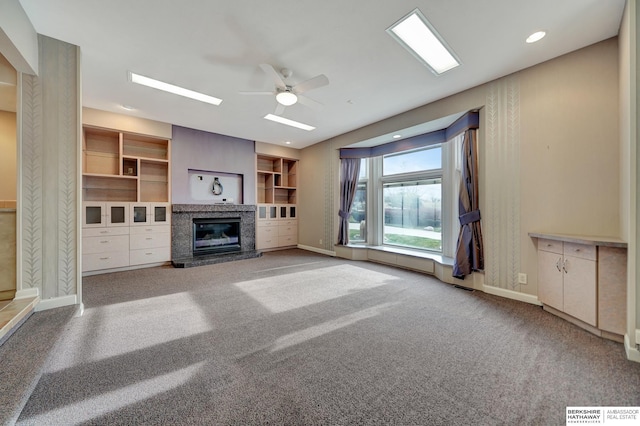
(584, 281)
(567, 278)
(120, 234)
(277, 226)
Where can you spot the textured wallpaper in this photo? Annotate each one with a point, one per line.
(501, 215)
(49, 147)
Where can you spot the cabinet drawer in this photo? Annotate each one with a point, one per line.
(267, 232)
(288, 222)
(550, 245)
(98, 261)
(287, 240)
(266, 243)
(104, 244)
(267, 223)
(151, 255)
(143, 241)
(287, 230)
(112, 230)
(157, 229)
(582, 251)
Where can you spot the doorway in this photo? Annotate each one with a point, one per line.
(8, 178)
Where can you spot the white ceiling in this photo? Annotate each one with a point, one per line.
(215, 47)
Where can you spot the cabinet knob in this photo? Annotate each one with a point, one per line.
(105, 258)
(104, 241)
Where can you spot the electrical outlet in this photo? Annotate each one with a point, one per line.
(522, 278)
(320, 242)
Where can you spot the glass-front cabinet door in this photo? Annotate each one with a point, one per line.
(140, 214)
(160, 213)
(150, 214)
(117, 214)
(93, 215)
(262, 212)
(287, 211)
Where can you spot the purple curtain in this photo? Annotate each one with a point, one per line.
(469, 252)
(349, 173)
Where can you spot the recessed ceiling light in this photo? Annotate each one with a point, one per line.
(176, 90)
(288, 142)
(397, 136)
(127, 107)
(537, 36)
(288, 122)
(418, 36)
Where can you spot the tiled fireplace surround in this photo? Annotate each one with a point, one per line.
(182, 232)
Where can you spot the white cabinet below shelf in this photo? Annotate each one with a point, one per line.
(584, 281)
(277, 230)
(147, 241)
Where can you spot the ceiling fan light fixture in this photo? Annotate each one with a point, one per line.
(286, 98)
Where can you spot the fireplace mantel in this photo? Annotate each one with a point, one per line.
(182, 232)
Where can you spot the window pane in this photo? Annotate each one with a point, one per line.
(363, 169)
(357, 224)
(413, 161)
(413, 214)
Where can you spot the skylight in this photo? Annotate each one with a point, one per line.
(288, 122)
(419, 37)
(176, 90)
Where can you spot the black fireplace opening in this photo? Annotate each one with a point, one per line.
(216, 235)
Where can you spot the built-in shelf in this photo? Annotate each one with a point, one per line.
(276, 183)
(120, 166)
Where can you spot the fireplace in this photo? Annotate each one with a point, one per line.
(228, 234)
(216, 235)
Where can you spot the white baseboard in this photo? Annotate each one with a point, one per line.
(510, 294)
(26, 293)
(317, 250)
(56, 302)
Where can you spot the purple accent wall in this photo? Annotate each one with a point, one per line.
(199, 150)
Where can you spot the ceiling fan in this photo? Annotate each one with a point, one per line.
(287, 95)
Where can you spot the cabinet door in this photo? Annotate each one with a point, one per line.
(160, 213)
(262, 212)
(93, 215)
(117, 214)
(580, 289)
(140, 214)
(550, 279)
(286, 211)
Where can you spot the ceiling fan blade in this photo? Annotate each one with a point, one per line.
(279, 109)
(257, 93)
(309, 102)
(312, 83)
(275, 76)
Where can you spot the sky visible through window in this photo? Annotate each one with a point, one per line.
(425, 159)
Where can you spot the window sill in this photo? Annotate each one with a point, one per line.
(418, 254)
